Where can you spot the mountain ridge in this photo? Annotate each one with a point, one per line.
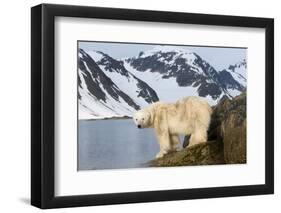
(160, 74)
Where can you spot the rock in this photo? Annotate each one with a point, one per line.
(228, 124)
(209, 153)
(186, 141)
(234, 132)
(234, 140)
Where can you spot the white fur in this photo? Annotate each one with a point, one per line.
(188, 116)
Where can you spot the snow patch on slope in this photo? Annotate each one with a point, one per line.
(239, 72)
(167, 90)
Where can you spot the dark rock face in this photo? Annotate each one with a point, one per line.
(229, 122)
(226, 138)
(112, 65)
(228, 125)
(186, 141)
(151, 62)
(211, 89)
(228, 81)
(91, 77)
(146, 92)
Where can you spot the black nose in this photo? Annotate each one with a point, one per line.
(139, 126)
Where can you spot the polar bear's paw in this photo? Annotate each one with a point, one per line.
(175, 149)
(160, 155)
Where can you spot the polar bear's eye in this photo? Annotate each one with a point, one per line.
(136, 119)
(143, 119)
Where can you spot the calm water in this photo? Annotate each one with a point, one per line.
(113, 144)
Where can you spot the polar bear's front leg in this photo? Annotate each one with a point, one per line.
(164, 143)
(162, 131)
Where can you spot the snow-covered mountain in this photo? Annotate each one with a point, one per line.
(175, 73)
(239, 72)
(234, 78)
(106, 88)
(110, 87)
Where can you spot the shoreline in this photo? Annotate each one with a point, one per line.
(107, 118)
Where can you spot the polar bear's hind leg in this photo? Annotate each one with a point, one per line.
(199, 136)
(203, 117)
(175, 142)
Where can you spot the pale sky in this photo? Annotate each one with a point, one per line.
(219, 57)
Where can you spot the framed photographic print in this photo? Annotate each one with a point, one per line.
(139, 106)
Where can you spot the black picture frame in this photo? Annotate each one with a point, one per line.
(43, 105)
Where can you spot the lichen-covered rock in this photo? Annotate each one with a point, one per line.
(233, 131)
(209, 153)
(234, 139)
(228, 124)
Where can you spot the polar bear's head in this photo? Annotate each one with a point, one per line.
(142, 118)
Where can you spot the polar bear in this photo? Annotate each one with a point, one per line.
(188, 116)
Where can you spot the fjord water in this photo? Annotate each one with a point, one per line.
(114, 144)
